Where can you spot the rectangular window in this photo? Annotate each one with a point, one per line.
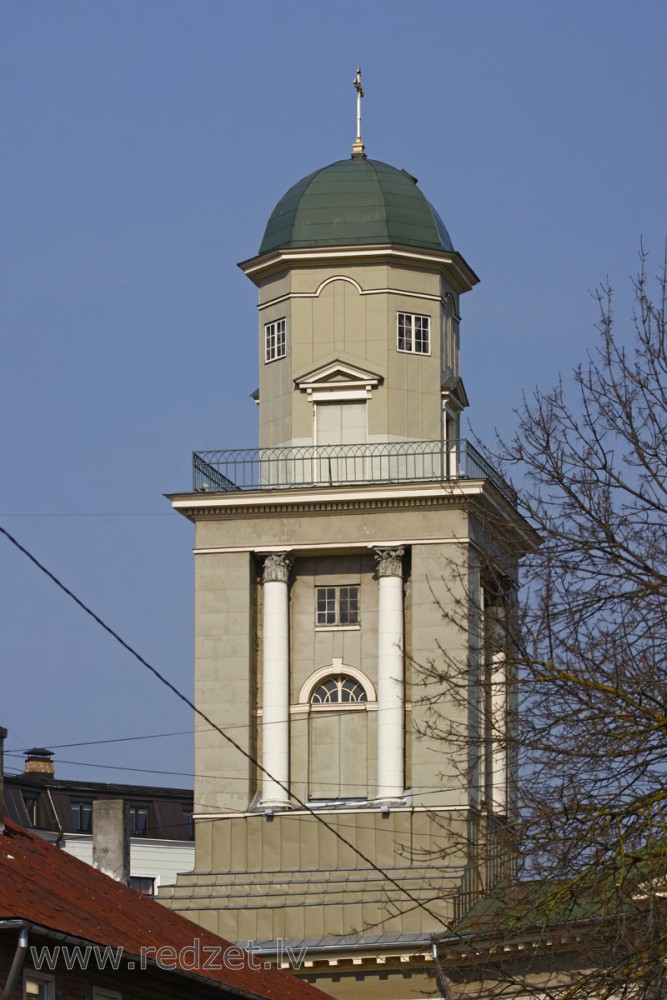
(275, 343)
(38, 987)
(30, 803)
(414, 333)
(99, 993)
(82, 816)
(337, 606)
(138, 821)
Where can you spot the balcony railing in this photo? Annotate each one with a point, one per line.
(342, 465)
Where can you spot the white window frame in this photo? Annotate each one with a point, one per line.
(343, 682)
(275, 340)
(411, 343)
(337, 624)
(39, 979)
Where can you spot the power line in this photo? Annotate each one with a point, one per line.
(146, 514)
(202, 715)
(90, 743)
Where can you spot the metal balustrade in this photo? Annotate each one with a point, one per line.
(342, 465)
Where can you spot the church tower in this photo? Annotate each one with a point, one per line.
(354, 581)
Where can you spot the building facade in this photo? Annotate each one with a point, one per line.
(354, 588)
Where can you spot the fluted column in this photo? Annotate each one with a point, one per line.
(275, 683)
(391, 675)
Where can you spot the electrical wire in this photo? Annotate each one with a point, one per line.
(120, 739)
(202, 715)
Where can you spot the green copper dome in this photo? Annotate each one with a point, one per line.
(353, 202)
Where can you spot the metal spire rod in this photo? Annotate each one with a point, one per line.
(358, 148)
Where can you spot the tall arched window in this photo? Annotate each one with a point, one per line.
(338, 739)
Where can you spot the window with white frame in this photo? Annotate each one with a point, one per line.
(37, 986)
(275, 341)
(414, 333)
(337, 606)
(338, 690)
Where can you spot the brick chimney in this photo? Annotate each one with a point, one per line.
(38, 761)
(3, 736)
(111, 838)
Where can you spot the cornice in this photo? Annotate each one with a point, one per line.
(199, 506)
(461, 274)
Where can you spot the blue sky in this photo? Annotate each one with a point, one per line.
(144, 146)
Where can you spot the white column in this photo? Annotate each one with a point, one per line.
(391, 676)
(499, 748)
(275, 685)
(498, 751)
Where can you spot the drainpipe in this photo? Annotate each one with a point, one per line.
(61, 832)
(443, 985)
(3, 736)
(17, 964)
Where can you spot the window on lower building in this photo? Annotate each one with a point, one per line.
(99, 993)
(38, 987)
(337, 606)
(30, 803)
(145, 884)
(414, 333)
(188, 828)
(138, 821)
(82, 816)
(275, 341)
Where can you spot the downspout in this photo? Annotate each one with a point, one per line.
(61, 833)
(443, 985)
(17, 964)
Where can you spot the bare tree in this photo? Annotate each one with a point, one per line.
(588, 655)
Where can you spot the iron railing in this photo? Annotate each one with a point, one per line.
(342, 465)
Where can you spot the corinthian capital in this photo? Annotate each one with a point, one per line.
(277, 567)
(389, 561)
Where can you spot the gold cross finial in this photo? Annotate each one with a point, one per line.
(358, 148)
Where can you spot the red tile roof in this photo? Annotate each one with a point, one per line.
(45, 886)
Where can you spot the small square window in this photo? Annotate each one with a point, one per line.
(275, 341)
(145, 884)
(414, 333)
(337, 606)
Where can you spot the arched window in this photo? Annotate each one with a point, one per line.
(338, 739)
(336, 690)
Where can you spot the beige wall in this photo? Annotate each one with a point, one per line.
(351, 313)
(225, 678)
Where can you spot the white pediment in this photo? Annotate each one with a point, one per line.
(337, 380)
